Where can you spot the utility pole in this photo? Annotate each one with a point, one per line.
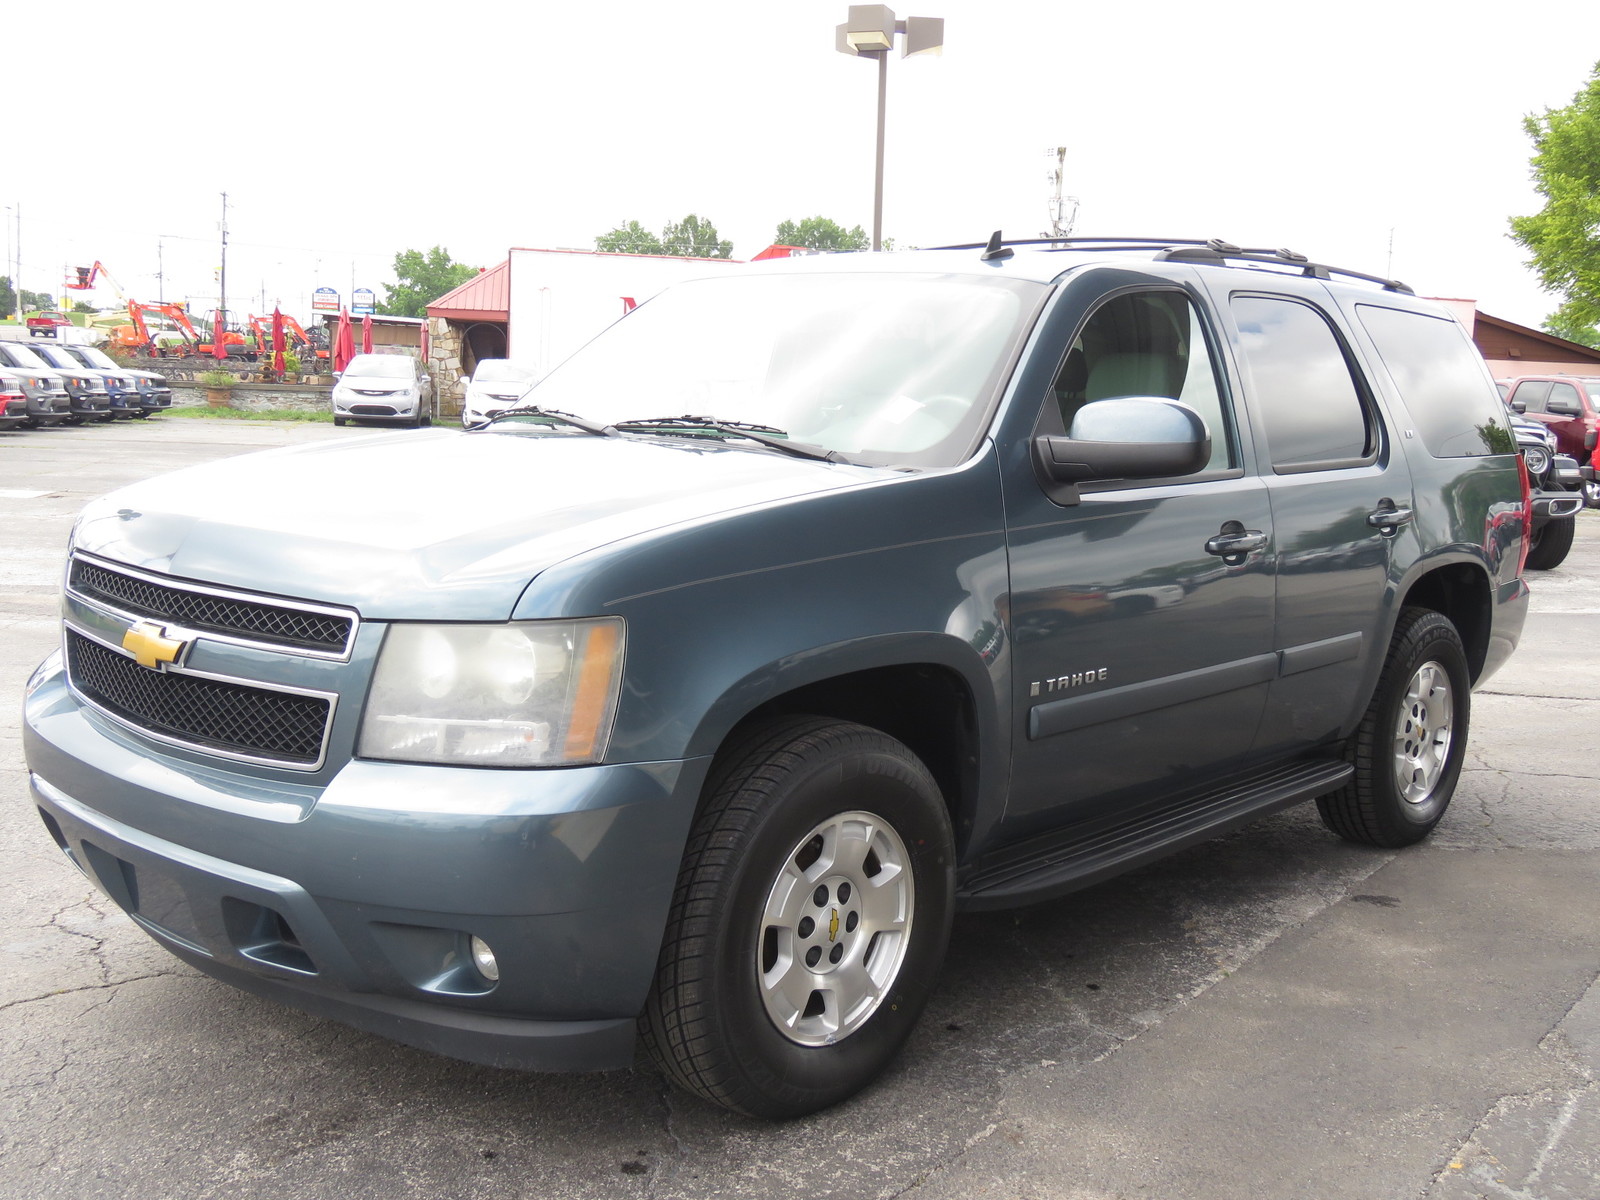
(161, 275)
(221, 324)
(16, 271)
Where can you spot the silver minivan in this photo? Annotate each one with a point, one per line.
(391, 388)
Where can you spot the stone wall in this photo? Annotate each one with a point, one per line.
(444, 364)
(256, 395)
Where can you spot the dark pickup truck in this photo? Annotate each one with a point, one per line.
(808, 604)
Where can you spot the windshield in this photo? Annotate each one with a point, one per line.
(25, 357)
(892, 369)
(57, 357)
(380, 366)
(502, 370)
(96, 358)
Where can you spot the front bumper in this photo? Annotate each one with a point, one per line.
(49, 408)
(356, 900)
(91, 404)
(1554, 504)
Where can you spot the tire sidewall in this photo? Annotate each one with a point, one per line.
(803, 1078)
(1434, 641)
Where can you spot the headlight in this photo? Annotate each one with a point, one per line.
(1537, 458)
(526, 694)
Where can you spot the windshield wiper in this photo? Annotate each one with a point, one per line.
(552, 414)
(766, 435)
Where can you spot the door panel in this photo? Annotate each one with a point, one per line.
(1141, 659)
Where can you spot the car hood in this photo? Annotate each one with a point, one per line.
(375, 383)
(436, 524)
(498, 391)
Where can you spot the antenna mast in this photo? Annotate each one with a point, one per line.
(1063, 210)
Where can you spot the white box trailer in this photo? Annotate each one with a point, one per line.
(559, 299)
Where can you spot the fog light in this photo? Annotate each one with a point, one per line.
(483, 959)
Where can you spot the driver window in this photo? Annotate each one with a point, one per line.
(1146, 344)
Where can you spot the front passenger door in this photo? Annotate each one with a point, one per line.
(1141, 659)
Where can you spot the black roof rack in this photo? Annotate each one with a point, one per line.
(1211, 250)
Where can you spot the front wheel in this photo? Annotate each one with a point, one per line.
(1407, 751)
(810, 918)
(1552, 542)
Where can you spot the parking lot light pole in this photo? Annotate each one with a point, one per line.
(869, 33)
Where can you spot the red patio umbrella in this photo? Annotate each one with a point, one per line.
(344, 342)
(219, 336)
(366, 334)
(277, 342)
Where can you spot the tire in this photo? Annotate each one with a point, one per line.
(338, 420)
(1408, 749)
(821, 843)
(1591, 493)
(142, 414)
(1552, 541)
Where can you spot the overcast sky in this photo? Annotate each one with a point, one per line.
(345, 132)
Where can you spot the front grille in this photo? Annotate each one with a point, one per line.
(206, 713)
(257, 621)
(372, 410)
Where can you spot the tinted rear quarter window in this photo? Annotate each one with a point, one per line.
(1441, 380)
(1310, 404)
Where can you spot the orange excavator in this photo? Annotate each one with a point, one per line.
(295, 337)
(136, 338)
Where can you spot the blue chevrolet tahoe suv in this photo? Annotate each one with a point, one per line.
(806, 606)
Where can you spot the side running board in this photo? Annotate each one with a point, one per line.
(1084, 854)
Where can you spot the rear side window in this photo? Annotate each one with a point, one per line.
(1310, 405)
(1442, 380)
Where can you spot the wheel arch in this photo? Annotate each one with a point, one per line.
(1462, 592)
(933, 693)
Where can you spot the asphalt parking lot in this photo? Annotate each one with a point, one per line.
(1273, 1015)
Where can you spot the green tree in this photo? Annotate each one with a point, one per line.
(819, 233)
(1564, 236)
(692, 237)
(82, 306)
(30, 300)
(420, 279)
(632, 238)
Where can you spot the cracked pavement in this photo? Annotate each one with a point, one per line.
(1273, 1014)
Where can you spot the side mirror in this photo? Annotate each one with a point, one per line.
(1519, 406)
(1562, 408)
(1133, 437)
(1590, 439)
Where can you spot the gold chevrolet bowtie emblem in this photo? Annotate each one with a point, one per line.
(151, 646)
(833, 926)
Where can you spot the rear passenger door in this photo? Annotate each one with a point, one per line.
(1341, 501)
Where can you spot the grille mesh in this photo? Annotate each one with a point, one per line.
(256, 621)
(207, 712)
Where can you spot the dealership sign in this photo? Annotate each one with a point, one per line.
(325, 300)
(361, 301)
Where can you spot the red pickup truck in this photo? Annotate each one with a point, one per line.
(43, 324)
(1569, 407)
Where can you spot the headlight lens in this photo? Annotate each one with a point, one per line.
(526, 694)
